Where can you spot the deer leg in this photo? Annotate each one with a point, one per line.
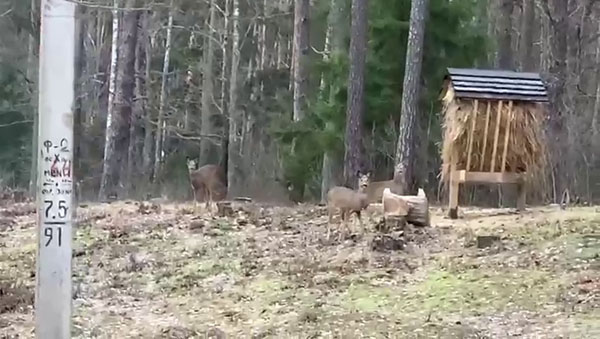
(344, 224)
(195, 200)
(207, 196)
(208, 200)
(362, 229)
(330, 211)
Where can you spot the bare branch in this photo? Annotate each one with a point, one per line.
(17, 123)
(321, 53)
(196, 137)
(543, 5)
(112, 8)
(6, 13)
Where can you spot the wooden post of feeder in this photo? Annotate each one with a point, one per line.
(496, 135)
(521, 195)
(471, 132)
(454, 186)
(485, 134)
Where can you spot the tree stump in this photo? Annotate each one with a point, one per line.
(415, 208)
(484, 241)
(224, 209)
(388, 242)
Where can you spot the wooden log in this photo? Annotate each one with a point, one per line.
(393, 206)
(417, 212)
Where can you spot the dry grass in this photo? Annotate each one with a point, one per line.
(269, 273)
(526, 142)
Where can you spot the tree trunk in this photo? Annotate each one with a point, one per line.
(145, 52)
(139, 113)
(404, 174)
(105, 62)
(505, 54)
(80, 65)
(557, 92)
(158, 146)
(189, 86)
(334, 44)
(117, 128)
(527, 28)
(114, 56)
(262, 41)
(108, 181)
(490, 9)
(596, 112)
(356, 92)
(301, 48)
(236, 117)
(224, 161)
(208, 149)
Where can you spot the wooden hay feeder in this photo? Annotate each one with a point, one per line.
(493, 130)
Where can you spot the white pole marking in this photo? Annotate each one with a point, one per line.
(55, 169)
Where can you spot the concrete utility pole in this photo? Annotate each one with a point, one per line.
(55, 169)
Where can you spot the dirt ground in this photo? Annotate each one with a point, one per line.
(269, 272)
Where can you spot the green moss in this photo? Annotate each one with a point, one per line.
(476, 291)
(363, 297)
(193, 272)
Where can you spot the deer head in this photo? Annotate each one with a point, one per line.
(192, 164)
(363, 180)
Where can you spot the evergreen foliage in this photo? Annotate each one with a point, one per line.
(15, 127)
(453, 39)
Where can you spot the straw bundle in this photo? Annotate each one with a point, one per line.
(526, 142)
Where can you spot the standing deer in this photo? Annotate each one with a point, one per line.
(374, 189)
(207, 181)
(348, 201)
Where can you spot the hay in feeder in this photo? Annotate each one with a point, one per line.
(526, 142)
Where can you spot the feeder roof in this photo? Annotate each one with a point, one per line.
(497, 85)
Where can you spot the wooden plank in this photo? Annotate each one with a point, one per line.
(509, 118)
(464, 176)
(502, 90)
(491, 96)
(486, 80)
(473, 123)
(453, 194)
(485, 134)
(496, 134)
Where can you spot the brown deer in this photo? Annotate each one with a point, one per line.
(348, 201)
(374, 190)
(207, 182)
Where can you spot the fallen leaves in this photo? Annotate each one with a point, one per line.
(155, 270)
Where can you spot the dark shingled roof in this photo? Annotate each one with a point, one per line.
(497, 85)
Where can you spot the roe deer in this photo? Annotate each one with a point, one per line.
(207, 182)
(374, 190)
(348, 201)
